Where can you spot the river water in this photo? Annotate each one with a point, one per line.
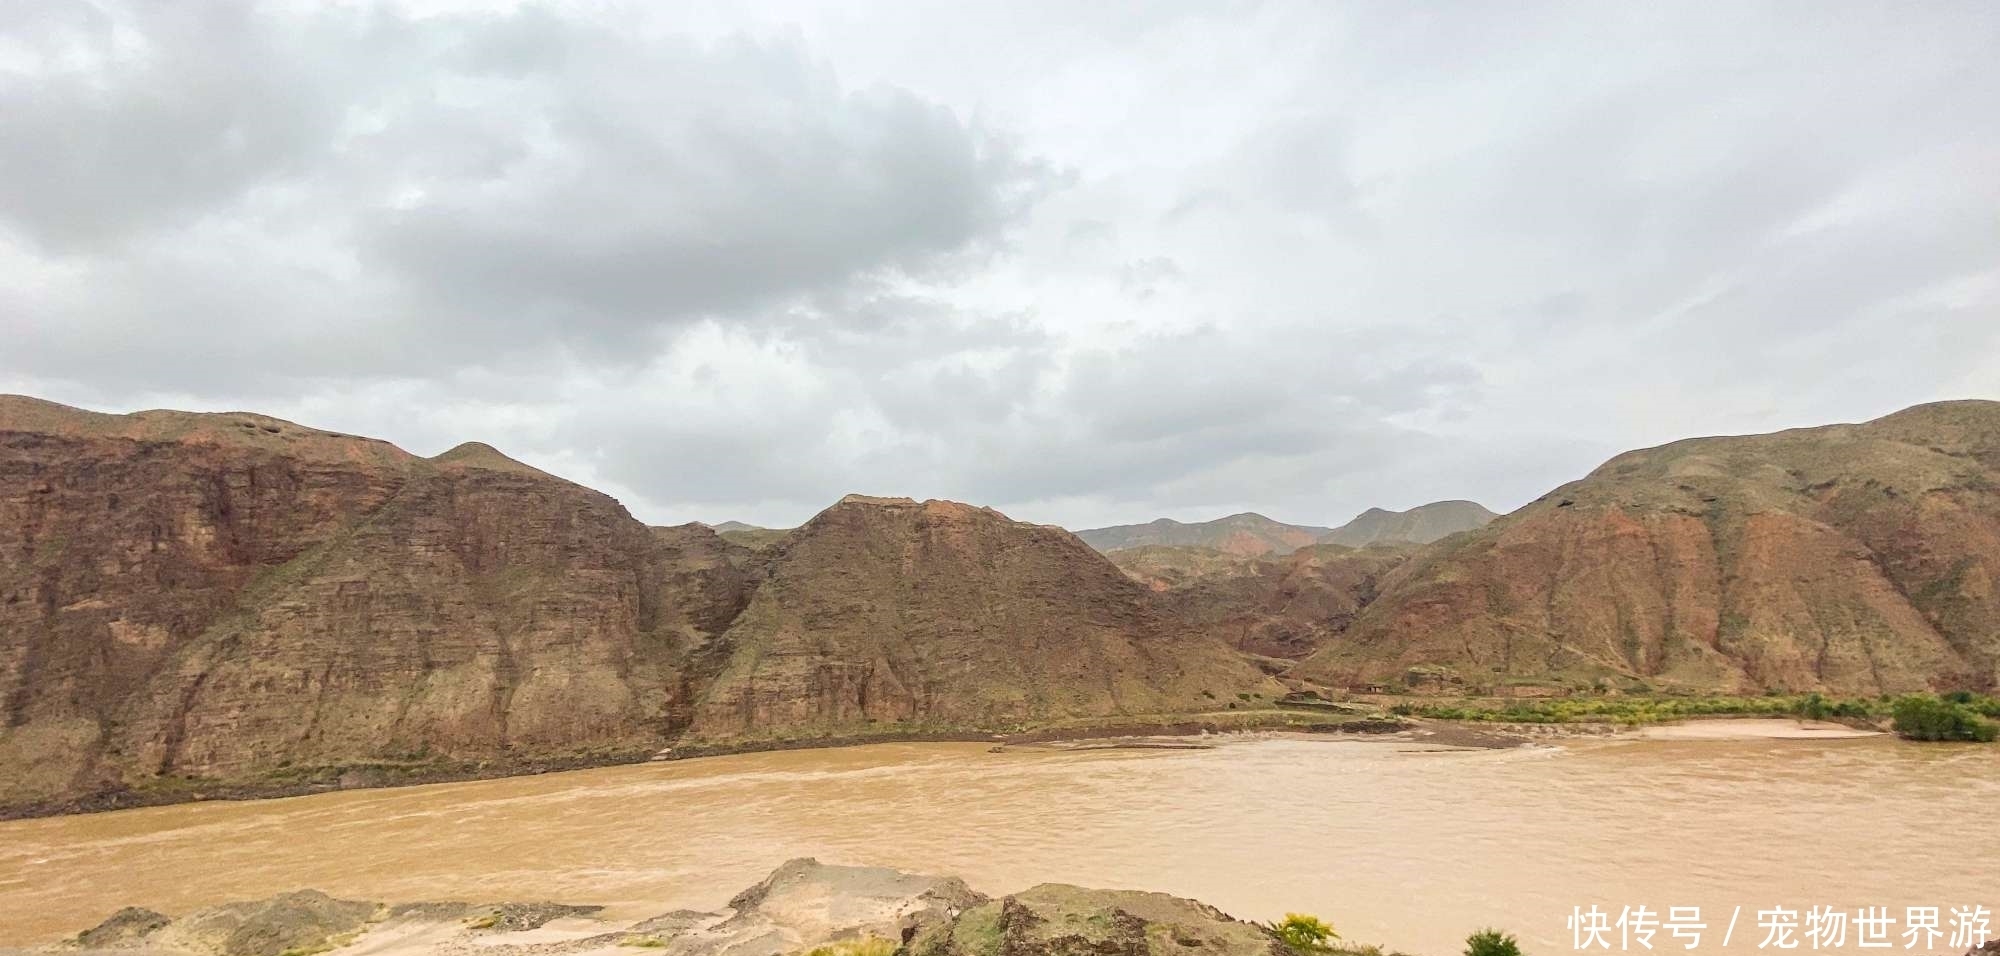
(1394, 844)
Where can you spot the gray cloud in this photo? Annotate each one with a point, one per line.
(1294, 257)
(270, 189)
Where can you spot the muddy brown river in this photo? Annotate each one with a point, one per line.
(1392, 843)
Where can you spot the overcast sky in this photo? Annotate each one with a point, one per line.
(1086, 263)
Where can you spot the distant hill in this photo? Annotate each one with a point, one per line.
(1420, 525)
(1244, 534)
(1251, 534)
(750, 535)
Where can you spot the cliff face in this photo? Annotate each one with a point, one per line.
(231, 597)
(194, 602)
(890, 612)
(1849, 558)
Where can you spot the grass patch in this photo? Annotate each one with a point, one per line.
(868, 946)
(326, 945)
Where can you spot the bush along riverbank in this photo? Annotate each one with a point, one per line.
(1958, 716)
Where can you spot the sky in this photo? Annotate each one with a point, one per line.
(1085, 263)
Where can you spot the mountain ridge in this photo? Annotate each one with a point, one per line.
(227, 602)
(1853, 558)
(1250, 533)
(216, 602)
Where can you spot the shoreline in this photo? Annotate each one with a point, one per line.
(372, 777)
(1150, 734)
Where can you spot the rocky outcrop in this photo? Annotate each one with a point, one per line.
(292, 922)
(1848, 558)
(805, 903)
(1058, 920)
(804, 906)
(883, 614)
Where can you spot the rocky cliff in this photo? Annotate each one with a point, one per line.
(230, 603)
(199, 598)
(887, 612)
(1849, 558)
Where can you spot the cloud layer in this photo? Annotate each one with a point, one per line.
(1086, 266)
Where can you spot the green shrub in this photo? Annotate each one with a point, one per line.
(1305, 934)
(867, 946)
(1491, 942)
(1927, 717)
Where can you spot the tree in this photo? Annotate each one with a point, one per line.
(1491, 942)
(1925, 717)
(1305, 934)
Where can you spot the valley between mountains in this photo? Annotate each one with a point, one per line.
(227, 603)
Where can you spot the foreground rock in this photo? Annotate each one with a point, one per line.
(1072, 921)
(802, 906)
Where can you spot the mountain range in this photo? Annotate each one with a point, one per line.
(1253, 534)
(201, 603)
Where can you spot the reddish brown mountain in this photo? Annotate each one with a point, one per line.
(230, 602)
(887, 612)
(1269, 606)
(240, 599)
(1851, 558)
